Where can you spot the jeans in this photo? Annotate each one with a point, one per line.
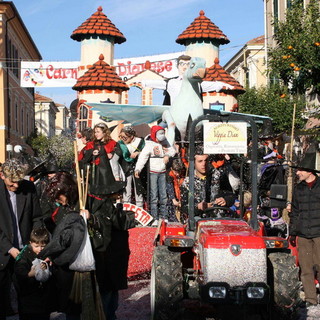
(158, 195)
(127, 195)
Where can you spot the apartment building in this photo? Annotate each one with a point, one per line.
(16, 103)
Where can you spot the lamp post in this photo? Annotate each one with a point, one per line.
(9, 149)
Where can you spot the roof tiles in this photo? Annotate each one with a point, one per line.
(217, 73)
(100, 76)
(258, 40)
(202, 28)
(98, 24)
(39, 98)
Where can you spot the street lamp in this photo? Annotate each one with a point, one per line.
(9, 149)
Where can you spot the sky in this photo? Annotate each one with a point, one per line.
(150, 27)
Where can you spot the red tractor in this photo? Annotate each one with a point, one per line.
(223, 261)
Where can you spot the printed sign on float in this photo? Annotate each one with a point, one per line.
(225, 138)
(141, 215)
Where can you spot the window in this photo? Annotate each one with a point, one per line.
(13, 58)
(16, 118)
(22, 121)
(28, 127)
(289, 3)
(83, 117)
(275, 15)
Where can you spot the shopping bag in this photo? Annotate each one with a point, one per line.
(84, 259)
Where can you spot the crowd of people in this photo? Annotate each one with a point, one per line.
(42, 232)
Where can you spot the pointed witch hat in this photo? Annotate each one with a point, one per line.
(266, 131)
(307, 163)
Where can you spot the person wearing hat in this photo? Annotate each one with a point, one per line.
(305, 224)
(20, 213)
(99, 154)
(112, 253)
(158, 150)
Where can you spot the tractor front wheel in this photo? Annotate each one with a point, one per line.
(166, 290)
(284, 281)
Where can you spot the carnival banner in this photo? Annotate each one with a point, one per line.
(49, 74)
(65, 73)
(164, 64)
(225, 138)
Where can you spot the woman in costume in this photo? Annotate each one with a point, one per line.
(104, 166)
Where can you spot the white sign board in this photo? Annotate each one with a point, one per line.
(141, 215)
(225, 138)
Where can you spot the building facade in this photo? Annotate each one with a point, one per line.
(45, 115)
(62, 124)
(248, 65)
(16, 103)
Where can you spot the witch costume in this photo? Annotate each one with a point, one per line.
(112, 254)
(104, 170)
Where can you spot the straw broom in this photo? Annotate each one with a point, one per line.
(82, 289)
(80, 186)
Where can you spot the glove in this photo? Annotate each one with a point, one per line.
(292, 240)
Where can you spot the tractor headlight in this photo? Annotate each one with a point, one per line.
(276, 243)
(179, 242)
(255, 292)
(217, 292)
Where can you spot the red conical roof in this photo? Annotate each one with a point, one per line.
(202, 28)
(217, 73)
(100, 76)
(98, 24)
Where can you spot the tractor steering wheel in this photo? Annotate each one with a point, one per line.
(220, 212)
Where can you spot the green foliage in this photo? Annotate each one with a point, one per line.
(60, 147)
(40, 145)
(274, 102)
(296, 59)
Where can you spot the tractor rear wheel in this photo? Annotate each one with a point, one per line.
(285, 283)
(166, 290)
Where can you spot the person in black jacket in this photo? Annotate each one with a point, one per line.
(68, 231)
(33, 295)
(20, 213)
(112, 257)
(305, 224)
(209, 191)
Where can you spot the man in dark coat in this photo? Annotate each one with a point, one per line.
(20, 213)
(305, 223)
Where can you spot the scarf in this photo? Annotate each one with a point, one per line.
(177, 182)
(217, 164)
